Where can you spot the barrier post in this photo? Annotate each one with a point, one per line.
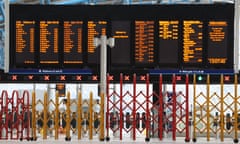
(208, 108)
(121, 109)
(56, 119)
(107, 112)
(222, 112)
(68, 137)
(134, 112)
(174, 108)
(45, 119)
(79, 120)
(160, 112)
(26, 120)
(147, 110)
(101, 127)
(194, 108)
(34, 130)
(90, 106)
(187, 138)
(236, 108)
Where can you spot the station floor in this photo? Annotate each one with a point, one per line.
(125, 141)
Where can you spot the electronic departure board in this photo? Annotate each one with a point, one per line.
(25, 39)
(95, 29)
(217, 42)
(159, 38)
(49, 38)
(144, 41)
(168, 42)
(73, 32)
(192, 41)
(121, 33)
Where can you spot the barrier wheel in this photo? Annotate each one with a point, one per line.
(187, 140)
(147, 139)
(21, 139)
(67, 138)
(194, 140)
(102, 139)
(235, 140)
(107, 138)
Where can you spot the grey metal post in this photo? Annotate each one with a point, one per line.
(6, 45)
(236, 36)
(103, 42)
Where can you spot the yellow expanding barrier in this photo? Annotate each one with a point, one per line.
(67, 121)
(215, 113)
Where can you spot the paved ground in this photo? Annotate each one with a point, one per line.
(114, 141)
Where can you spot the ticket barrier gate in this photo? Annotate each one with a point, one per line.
(15, 116)
(170, 112)
(135, 113)
(123, 111)
(66, 121)
(214, 113)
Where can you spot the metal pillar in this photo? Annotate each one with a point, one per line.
(103, 41)
(236, 36)
(6, 48)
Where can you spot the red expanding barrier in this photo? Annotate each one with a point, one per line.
(141, 112)
(15, 116)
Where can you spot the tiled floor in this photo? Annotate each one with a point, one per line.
(115, 141)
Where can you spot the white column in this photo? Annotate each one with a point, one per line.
(6, 43)
(236, 36)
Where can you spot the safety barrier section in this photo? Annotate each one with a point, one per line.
(173, 111)
(125, 114)
(215, 114)
(78, 118)
(15, 116)
(136, 113)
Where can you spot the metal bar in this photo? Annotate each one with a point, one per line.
(134, 109)
(147, 110)
(121, 107)
(236, 108)
(56, 119)
(160, 109)
(90, 106)
(68, 111)
(107, 105)
(102, 118)
(222, 111)
(45, 111)
(208, 107)
(194, 108)
(26, 110)
(6, 42)
(236, 36)
(174, 101)
(79, 120)
(187, 138)
(34, 130)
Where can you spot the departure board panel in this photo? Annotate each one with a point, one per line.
(73, 32)
(95, 30)
(144, 41)
(168, 42)
(192, 41)
(147, 38)
(217, 42)
(120, 54)
(25, 41)
(49, 38)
